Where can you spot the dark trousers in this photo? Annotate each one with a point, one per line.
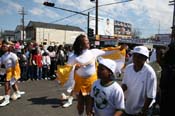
(23, 73)
(45, 71)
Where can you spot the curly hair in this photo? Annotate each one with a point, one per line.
(78, 45)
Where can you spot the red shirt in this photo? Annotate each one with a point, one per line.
(38, 60)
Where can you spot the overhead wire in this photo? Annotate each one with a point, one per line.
(90, 9)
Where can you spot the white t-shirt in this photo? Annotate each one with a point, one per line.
(107, 99)
(140, 85)
(9, 59)
(87, 57)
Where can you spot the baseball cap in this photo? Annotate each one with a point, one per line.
(141, 50)
(110, 64)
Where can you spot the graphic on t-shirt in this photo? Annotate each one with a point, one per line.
(100, 98)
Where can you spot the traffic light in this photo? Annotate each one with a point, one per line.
(91, 32)
(92, 0)
(49, 4)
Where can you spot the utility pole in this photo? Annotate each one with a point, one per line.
(173, 24)
(22, 13)
(96, 19)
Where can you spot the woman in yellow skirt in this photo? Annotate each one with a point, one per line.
(84, 60)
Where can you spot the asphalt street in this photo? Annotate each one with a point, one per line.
(42, 98)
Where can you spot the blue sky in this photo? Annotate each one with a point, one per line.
(144, 15)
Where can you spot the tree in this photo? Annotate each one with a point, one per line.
(136, 33)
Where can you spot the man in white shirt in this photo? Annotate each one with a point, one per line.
(139, 83)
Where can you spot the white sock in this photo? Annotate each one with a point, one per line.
(7, 97)
(70, 99)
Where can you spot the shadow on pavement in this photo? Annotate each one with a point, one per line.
(46, 101)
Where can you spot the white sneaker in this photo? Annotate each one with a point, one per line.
(64, 96)
(15, 96)
(22, 92)
(6, 101)
(1, 98)
(69, 102)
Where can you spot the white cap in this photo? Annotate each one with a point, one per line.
(141, 50)
(110, 64)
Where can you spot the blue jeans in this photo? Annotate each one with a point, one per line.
(39, 73)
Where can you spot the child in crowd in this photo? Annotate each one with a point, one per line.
(37, 62)
(107, 95)
(46, 65)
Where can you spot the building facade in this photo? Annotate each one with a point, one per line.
(52, 33)
(19, 33)
(9, 35)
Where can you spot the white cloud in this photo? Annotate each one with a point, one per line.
(9, 7)
(39, 1)
(4, 11)
(46, 12)
(51, 14)
(37, 11)
(137, 12)
(143, 14)
(149, 12)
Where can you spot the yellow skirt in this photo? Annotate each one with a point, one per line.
(84, 84)
(13, 73)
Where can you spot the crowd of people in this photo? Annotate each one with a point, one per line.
(92, 77)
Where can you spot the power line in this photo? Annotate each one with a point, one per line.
(115, 3)
(71, 15)
(91, 9)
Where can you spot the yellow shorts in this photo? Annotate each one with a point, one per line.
(84, 84)
(13, 73)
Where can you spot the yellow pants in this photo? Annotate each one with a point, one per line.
(84, 84)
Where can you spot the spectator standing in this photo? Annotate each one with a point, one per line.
(52, 55)
(139, 83)
(37, 62)
(23, 65)
(46, 65)
(167, 81)
(60, 56)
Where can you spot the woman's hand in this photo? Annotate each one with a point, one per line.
(77, 66)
